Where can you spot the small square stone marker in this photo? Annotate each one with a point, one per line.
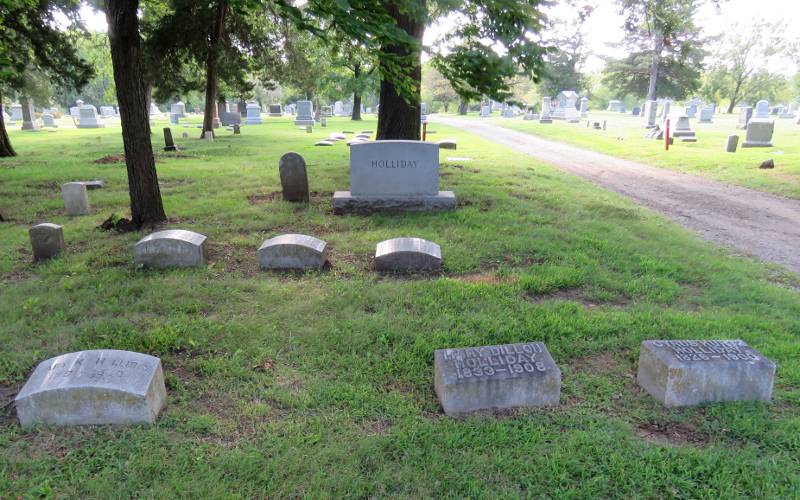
(691, 372)
(495, 377)
(93, 387)
(47, 241)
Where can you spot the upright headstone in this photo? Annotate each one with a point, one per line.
(87, 117)
(107, 111)
(584, 107)
(393, 176)
(253, 114)
(93, 388)
(179, 108)
(275, 110)
(76, 198)
(47, 241)
(667, 108)
(614, 106)
(292, 251)
(486, 111)
(762, 109)
(789, 112)
(408, 254)
(496, 377)
(154, 111)
(682, 128)
(169, 143)
(546, 110)
(16, 113)
(48, 120)
(294, 177)
(338, 108)
(706, 114)
(28, 116)
(691, 372)
(733, 141)
(650, 112)
(566, 107)
(305, 113)
(171, 248)
(745, 115)
(759, 134)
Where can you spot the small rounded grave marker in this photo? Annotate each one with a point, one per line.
(292, 251)
(47, 241)
(76, 198)
(171, 248)
(408, 254)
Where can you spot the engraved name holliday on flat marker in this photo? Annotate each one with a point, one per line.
(690, 372)
(93, 387)
(493, 377)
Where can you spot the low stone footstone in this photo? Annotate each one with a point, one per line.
(237, 129)
(76, 198)
(393, 176)
(691, 372)
(47, 241)
(767, 164)
(294, 177)
(496, 377)
(688, 139)
(447, 144)
(733, 142)
(408, 254)
(169, 143)
(323, 143)
(292, 251)
(171, 248)
(93, 388)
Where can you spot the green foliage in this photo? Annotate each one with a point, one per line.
(436, 89)
(677, 78)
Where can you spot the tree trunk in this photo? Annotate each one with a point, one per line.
(212, 59)
(734, 96)
(462, 108)
(5, 143)
(123, 34)
(658, 47)
(398, 119)
(356, 115)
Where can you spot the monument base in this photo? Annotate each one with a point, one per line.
(756, 144)
(344, 202)
(303, 123)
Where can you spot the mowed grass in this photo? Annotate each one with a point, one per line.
(624, 138)
(320, 384)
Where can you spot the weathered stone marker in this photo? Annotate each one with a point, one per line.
(237, 130)
(171, 248)
(47, 241)
(92, 388)
(408, 254)
(759, 134)
(169, 143)
(393, 176)
(76, 198)
(447, 144)
(294, 177)
(292, 251)
(733, 141)
(690, 372)
(494, 377)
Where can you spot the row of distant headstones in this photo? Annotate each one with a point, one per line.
(123, 387)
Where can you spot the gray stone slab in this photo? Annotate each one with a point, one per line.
(344, 202)
(408, 254)
(733, 141)
(294, 177)
(76, 198)
(691, 372)
(405, 168)
(759, 134)
(93, 387)
(47, 241)
(496, 377)
(292, 251)
(171, 248)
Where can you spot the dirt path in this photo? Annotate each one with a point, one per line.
(753, 222)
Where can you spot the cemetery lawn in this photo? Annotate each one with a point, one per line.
(624, 138)
(321, 384)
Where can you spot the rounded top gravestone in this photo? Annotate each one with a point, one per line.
(294, 178)
(408, 254)
(47, 240)
(171, 248)
(103, 386)
(292, 251)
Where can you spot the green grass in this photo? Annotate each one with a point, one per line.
(320, 384)
(624, 137)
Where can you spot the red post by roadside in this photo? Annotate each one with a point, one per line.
(424, 131)
(666, 134)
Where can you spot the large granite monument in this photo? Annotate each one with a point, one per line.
(305, 113)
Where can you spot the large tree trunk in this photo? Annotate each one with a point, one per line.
(462, 108)
(212, 60)
(735, 96)
(654, 63)
(123, 34)
(398, 119)
(356, 115)
(5, 143)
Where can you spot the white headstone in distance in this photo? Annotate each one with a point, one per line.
(48, 120)
(154, 111)
(16, 113)
(179, 108)
(545, 117)
(87, 117)
(253, 114)
(275, 110)
(486, 111)
(584, 107)
(93, 388)
(762, 110)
